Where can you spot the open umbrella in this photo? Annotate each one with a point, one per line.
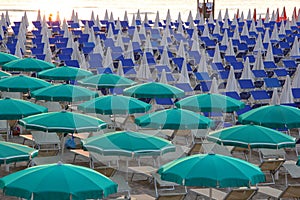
(137, 144)
(14, 109)
(12, 152)
(5, 58)
(28, 65)
(114, 104)
(210, 103)
(64, 92)
(152, 90)
(106, 81)
(174, 119)
(252, 136)
(57, 182)
(21, 83)
(64, 73)
(272, 116)
(66, 122)
(211, 170)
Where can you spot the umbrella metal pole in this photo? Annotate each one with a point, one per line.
(210, 193)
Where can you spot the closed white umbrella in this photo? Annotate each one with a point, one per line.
(286, 96)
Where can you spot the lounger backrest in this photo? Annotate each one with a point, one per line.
(271, 165)
(291, 192)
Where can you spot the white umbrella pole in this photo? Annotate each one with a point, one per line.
(7, 130)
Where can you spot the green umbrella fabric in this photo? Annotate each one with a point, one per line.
(106, 81)
(272, 116)
(174, 119)
(13, 109)
(66, 122)
(12, 152)
(211, 170)
(252, 136)
(298, 161)
(4, 74)
(57, 182)
(5, 58)
(127, 143)
(114, 104)
(64, 92)
(210, 103)
(64, 73)
(22, 83)
(154, 89)
(28, 65)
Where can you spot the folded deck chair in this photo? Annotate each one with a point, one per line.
(292, 169)
(164, 186)
(45, 157)
(46, 141)
(271, 166)
(122, 184)
(271, 153)
(292, 191)
(242, 193)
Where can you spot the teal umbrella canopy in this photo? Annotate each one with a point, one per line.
(64, 92)
(107, 81)
(13, 109)
(66, 122)
(22, 83)
(114, 104)
(273, 116)
(152, 90)
(28, 65)
(252, 136)
(175, 119)
(127, 143)
(5, 58)
(12, 152)
(64, 73)
(211, 170)
(58, 182)
(210, 103)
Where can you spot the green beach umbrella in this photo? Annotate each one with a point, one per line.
(152, 90)
(252, 136)
(57, 182)
(5, 58)
(22, 83)
(107, 81)
(272, 116)
(114, 104)
(64, 92)
(211, 170)
(210, 103)
(174, 119)
(13, 109)
(66, 122)
(13, 152)
(28, 65)
(64, 73)
(127, 143)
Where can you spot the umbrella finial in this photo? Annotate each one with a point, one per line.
(59, 163)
